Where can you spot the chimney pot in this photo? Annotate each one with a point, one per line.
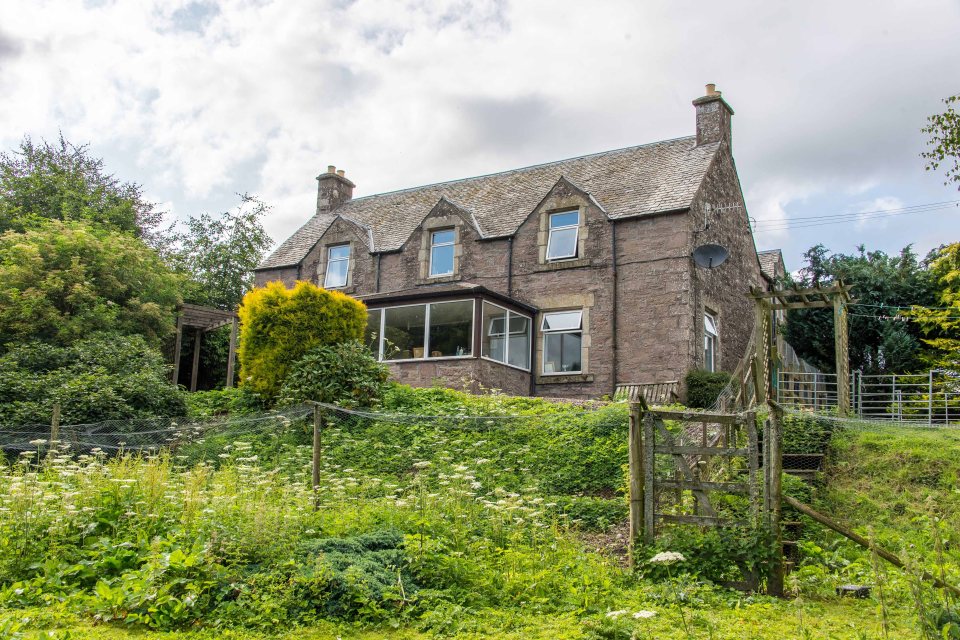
(341, 172)
(331, 168)
(712, 89)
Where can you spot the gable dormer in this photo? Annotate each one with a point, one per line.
(442, 235)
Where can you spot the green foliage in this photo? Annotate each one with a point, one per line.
(944, 131)
(877, 344)
(344, 374)
(219, 402)
(65, 280)
(941, 326)
(220, 253)
(103, 377)
(718, 554)
(806, 433)
(279, 326)
(61, 181)
(703, 387)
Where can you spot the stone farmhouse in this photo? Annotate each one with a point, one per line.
(563, 279)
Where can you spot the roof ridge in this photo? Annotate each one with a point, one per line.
(518, 169)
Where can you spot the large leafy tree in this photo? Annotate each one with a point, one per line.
(61, 281)
(62, 181)
(944, 142)
(880, 339)
(220, 252)
(941, 324)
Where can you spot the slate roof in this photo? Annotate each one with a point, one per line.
(635, 181)
(768, 262)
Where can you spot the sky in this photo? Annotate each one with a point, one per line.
(201, 101)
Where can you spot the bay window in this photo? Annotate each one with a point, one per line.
(505, 337)
(410, 332)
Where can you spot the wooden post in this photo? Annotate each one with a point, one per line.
(649, 496)
(232, 355)
(315, 485)
(636, 479)
(753, 461)
(842, 346)
(761, 342)
(863, 542)
(176, 349)
(773, 444)
(55, 424)
(198, 333)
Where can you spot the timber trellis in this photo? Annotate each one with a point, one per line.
(673, 474)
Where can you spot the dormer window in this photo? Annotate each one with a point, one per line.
(338, 266)
(441, 252)
(563, 235)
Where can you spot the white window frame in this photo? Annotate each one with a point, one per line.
(506, 335)
(346, 275)
(434, 245)
(426, 331)
(551, 229)
(711, 338)
(554, 332)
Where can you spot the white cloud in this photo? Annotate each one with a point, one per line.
(260, 95)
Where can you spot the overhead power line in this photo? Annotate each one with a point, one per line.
(770, 224)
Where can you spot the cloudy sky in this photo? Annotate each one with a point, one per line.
(198, 101)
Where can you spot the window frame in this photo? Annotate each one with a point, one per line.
(551, 229)
(346, 276)
(506, 335)
(553, 332)
(426, 331)
(711, 337)
(434, 245)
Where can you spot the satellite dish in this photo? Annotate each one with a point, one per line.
(710, 255)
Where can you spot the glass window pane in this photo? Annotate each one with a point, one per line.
(372, 334)
(336, 274)
(708, 348)
(564, 219)
(561, 352)
(443, 237)
(451, 329)
(441, 260)
(710, 324)
(403, 332)
(562, 243)
(341, 252)
(562, 320)
(493, 338)
(519, 353)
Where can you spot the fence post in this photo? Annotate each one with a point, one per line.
(636, 479)
(930, 401)
(649, 497)
(317, 425)
(55, 424)
(774, 443)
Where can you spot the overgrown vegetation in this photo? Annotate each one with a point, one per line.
(704, 387)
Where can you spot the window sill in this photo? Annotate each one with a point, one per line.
(422, 360)
(504, 364)
(557, 265)
(564, 378)
(345, 290)
(438, 279)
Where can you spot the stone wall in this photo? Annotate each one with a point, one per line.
(469, 374)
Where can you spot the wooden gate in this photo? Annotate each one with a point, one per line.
(675, 471)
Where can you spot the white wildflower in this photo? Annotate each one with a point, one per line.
(423, 464)
(644, 614)
(38, 442)
(667, 557)
(616, 614)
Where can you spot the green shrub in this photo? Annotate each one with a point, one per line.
(279, 325)
(346, 374)
(703, 387)
(104, 377)
(217, 402)
(806, 433)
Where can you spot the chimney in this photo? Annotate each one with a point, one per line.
(713, 117)
(333, 189)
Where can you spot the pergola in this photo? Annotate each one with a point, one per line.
(836, 295)
(201, 320)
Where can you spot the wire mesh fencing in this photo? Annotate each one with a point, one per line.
(187, 440)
